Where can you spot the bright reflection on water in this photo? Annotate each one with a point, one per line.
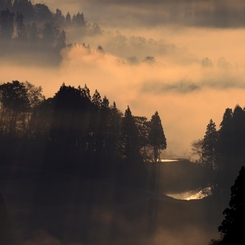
(169, 160)
(190, 195)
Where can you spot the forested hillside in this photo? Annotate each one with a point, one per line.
(221, 151)
(35, 31)
(76, 132)
(81, 167)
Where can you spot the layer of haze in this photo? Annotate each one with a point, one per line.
(188, 73)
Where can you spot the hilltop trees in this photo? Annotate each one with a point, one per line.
(156, 136)
(222, 151)
(209, 146)
(17, 101)
(6, 25)
(129, 136)
(76, 132)
(33, 29)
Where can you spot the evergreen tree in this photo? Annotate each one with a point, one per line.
(24, 7)
(226, 150)
(130, 136)
(85, 92)
(66, 105)
(6, 25)
(40, 121)
(68, 19)
(112, 143)
(59, 18)
(48, 35)
(42, 13)
(232, 227)
(209, 147)
(157, 137)
(96, 99)
(239, 135)
(20, 26)
(226, 136)
(143, 126)
(78, 20)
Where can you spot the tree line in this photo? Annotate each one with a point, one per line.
(222, 151)
(76, 132)
(27, 27)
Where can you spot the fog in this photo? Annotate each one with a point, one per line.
(184, 59)
(213, 13)
(189, 75)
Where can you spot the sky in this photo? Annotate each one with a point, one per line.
(184, 59)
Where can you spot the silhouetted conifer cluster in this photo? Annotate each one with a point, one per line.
(222, 151)
(27, 28)
(76, 133)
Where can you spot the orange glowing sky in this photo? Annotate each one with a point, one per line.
(184, 92)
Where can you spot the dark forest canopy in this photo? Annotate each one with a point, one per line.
(75, 132)
(221, 151)
(35, 29)
(232, 227)
(96, 138)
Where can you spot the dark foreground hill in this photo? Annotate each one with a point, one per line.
(49, 208)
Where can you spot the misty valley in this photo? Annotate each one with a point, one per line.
(111, 129)
(74, 169)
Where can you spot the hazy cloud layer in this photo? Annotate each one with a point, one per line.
(214, 13)
(185, 95)
(187, 74)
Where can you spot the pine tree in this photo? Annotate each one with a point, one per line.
(232, 228)
(239, 134)
(6, 25)
(226, 140)
(130, 137)
(209, 147)
(156, 136)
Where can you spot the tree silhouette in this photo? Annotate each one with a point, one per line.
(42, 13)
(196, 148)
(59, 18)
(20, 27)
(6, 24)
(210, 154)
(239, 134)
(15, 108)
(232, 227)
(24, 7)
(143, 126)
(68, 19)
(156, 136)
(209, 147)
(226, 137)
(130, 136)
